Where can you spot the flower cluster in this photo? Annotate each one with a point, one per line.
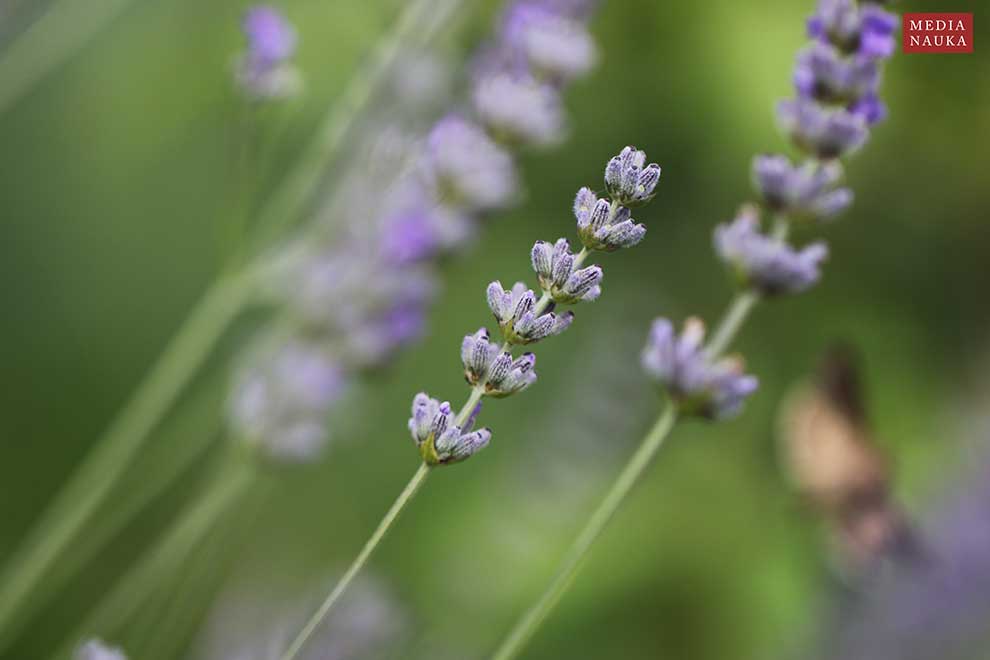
(764, 263)
(523, 318)
(700, 384)
(264, 71)
(439, 438)
(837, 81)
(365, 295)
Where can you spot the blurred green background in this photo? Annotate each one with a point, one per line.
(116, 173)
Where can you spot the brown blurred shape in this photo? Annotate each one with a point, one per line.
(829, 453)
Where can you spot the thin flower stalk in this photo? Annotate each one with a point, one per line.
(491, 368)
(694, 379)
(91, 483)
(147, 576)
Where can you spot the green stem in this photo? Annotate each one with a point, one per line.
(576, 554)
(735, 316)
(94, 479)
(397, 507)
(141, 581)
(393, 513)
(63, 29)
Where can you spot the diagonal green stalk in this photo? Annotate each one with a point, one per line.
(141, 581)
(50, 41)
(397, 507)
(94, 479)
(733, 320)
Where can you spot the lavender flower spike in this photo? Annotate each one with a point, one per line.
(699, 385)
(95, 649)
(439, 440)
(264, 71)
(769, 266)
(517, 316)
(825, 132)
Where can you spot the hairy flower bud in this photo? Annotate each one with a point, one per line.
(507, 376)
(554, 266)
(439, 439)
(604, 226)
(629, 180)
(477, 354)
(515, 311)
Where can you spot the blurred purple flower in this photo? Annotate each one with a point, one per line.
(700, 385)
(768, 265)
(264, 71)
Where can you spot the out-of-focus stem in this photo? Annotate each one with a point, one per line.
(141, 581)
(50, 41)
(93, 480)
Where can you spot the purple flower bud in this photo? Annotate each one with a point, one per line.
(264, 71)
(769, 266)
(516, 315)
(602, 228)
(508, 376)
(439, 440)
(477, 354)
(469, 169)
(518, 109)
(713, 389)
(628, 179)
